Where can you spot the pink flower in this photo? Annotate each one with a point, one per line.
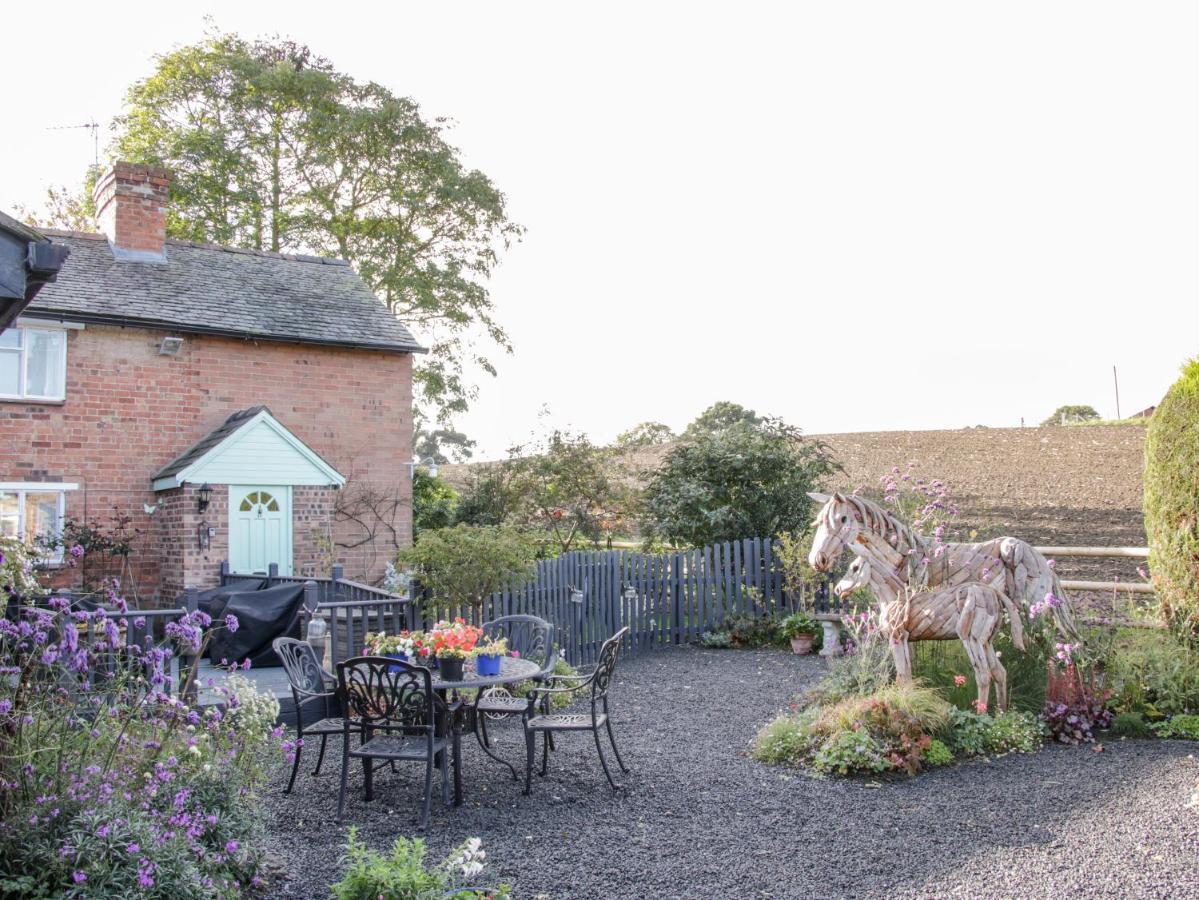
(959, 680)
(980, 706)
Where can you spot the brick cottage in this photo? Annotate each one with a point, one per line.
(214, 403)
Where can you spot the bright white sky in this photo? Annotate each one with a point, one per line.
(858, 216)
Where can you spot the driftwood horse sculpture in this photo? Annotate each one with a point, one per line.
(904, 560)
(971, 612)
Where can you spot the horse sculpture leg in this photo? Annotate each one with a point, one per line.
(974, 628)
(901, 652)
(999, 675)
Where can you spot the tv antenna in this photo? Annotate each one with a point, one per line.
(94, 127)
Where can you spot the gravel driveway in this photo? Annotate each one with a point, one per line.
(699, 818)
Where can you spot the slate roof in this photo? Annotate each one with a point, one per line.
(206, 443)
(207, 289)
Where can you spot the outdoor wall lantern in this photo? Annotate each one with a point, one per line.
(429, 463)
(203, 497)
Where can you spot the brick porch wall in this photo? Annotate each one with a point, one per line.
(129, 411)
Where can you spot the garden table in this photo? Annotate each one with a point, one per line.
(513, 670)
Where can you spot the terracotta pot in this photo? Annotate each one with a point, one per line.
(802, 644)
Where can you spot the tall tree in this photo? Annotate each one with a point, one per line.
(719, 416)
(273, 148)
(741, 481)
(646, 434)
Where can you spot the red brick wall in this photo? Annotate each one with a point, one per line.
(129, 411)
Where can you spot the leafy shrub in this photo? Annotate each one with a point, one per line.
(464, 565)
(1131, 724)
(404, 874)
(1154, 674)
(751, 631)
(1179, 727)
(849, 752)
(1014, 731)
(967, 732)
(557, 701)
(788, 739)
(717, 640)
(937, 754)
(110, 787)
(1171, 486)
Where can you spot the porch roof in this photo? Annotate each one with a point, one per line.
(250, 447)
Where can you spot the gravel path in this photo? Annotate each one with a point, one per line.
(698, 818)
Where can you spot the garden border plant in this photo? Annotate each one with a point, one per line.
(109, 785)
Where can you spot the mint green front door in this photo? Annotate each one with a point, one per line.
(259, 528)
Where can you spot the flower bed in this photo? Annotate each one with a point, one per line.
(109, 786)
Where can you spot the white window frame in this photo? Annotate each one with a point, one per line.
(21, 488)
(22, 351)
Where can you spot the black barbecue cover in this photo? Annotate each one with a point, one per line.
(262, 616)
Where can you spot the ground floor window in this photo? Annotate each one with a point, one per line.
(29, 510)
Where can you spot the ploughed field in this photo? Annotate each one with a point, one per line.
(699, 818)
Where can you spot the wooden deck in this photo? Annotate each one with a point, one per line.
(272, 680)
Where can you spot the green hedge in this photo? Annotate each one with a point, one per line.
(1172, 503)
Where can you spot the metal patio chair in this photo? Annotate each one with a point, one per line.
(533, 638)
(402, 719)
(538, 719)
(314, 693)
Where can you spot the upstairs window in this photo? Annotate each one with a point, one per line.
(33, 364)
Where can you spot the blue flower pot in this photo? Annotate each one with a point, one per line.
(487, 665)
(402, 657)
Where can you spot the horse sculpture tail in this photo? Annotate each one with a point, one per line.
(1063, 616)
(1027, 580)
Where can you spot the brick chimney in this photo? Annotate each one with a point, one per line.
(131, 210)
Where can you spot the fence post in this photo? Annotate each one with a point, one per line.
(676, 596)
(336, 574)
(224, 571)
(272, 574)
(191, 602)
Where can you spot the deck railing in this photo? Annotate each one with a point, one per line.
(350, 609)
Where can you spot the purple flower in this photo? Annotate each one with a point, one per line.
(79, 876)
(231, 622)
(231, 846)
(76, 551)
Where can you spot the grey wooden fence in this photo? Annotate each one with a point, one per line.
(670, 598)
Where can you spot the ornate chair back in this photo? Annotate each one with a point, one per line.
(389, 695)
(530, 636)
(604, 669)
(307, 679)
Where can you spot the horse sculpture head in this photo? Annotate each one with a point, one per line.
(856, 576)
(836, 527)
